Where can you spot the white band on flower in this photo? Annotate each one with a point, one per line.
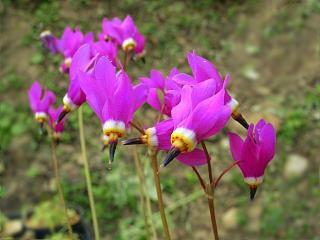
(152, 139)
(45, 33)
(112, 126)
(129, 44)
(40, 115)
(253, 180)
(68, 104)
(67, 62)
(186, 136)
(233, 104)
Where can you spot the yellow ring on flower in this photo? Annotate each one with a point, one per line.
(184, 139)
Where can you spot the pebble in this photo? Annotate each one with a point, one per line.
(295, 166)
(230, 218)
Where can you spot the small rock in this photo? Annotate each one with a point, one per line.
(12, 227)
(295, 166)
(230, 218)
(250, 73)
(254, 214)
(224, 143)
(264, 91)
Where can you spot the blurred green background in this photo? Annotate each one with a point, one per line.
(270, 48)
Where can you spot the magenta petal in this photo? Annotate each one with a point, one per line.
(158, 80)
(34, 95)
(251, 166)
(201, 68)
(122, 101)
(153, 99)
(163, 132)
(80, 60)
(183, 109)
(128, 27)
(94, 96)
(105, 75)
(89, 38)
(195, 158)
(140, 40)
(75, 93)
(183, 79)
(208, 117)
(267, 144)
(140, 92)
(53, 117)
(202, 91)
(236, 144)
(257, 130)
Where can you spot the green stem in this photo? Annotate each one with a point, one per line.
(154, 164)
(87, 175)
(59, 187)
(145, 200)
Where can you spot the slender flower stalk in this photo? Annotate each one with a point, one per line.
(146, 206)
(58, 182)
(154, 165)
(145, 200)
(87, 175)
(210, 194)
(216, 182)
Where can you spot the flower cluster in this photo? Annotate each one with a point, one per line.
(192, 107)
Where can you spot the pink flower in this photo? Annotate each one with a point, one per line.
(53, 118)
(158, 138)
(126, 34)
(163, 92)
(200, 114)
(69, 43)
(49, 42)
(254, 153)
(107, 49)
(82, 62)
(40, 101)
(109, 29)
(113, 98)
(203, 70)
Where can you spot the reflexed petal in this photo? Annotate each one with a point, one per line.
(128, 27)
(202, 69)
(34, 95)
(153, 99)
(183, 79)
(236, 144)
(122, 108)
(208, 117)
(257, 130)
(267, 143)
(164, 130)
(183, 109)
(195, 158)
(158, 80)
(94, 96)
(140, 92)
(105, 76)
(251, 166)
(80, 60)
(202, 91)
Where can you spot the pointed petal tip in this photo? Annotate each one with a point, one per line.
(62, 115)
(112, 150)
(132, 141)
(253, 190)
(172, 154)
